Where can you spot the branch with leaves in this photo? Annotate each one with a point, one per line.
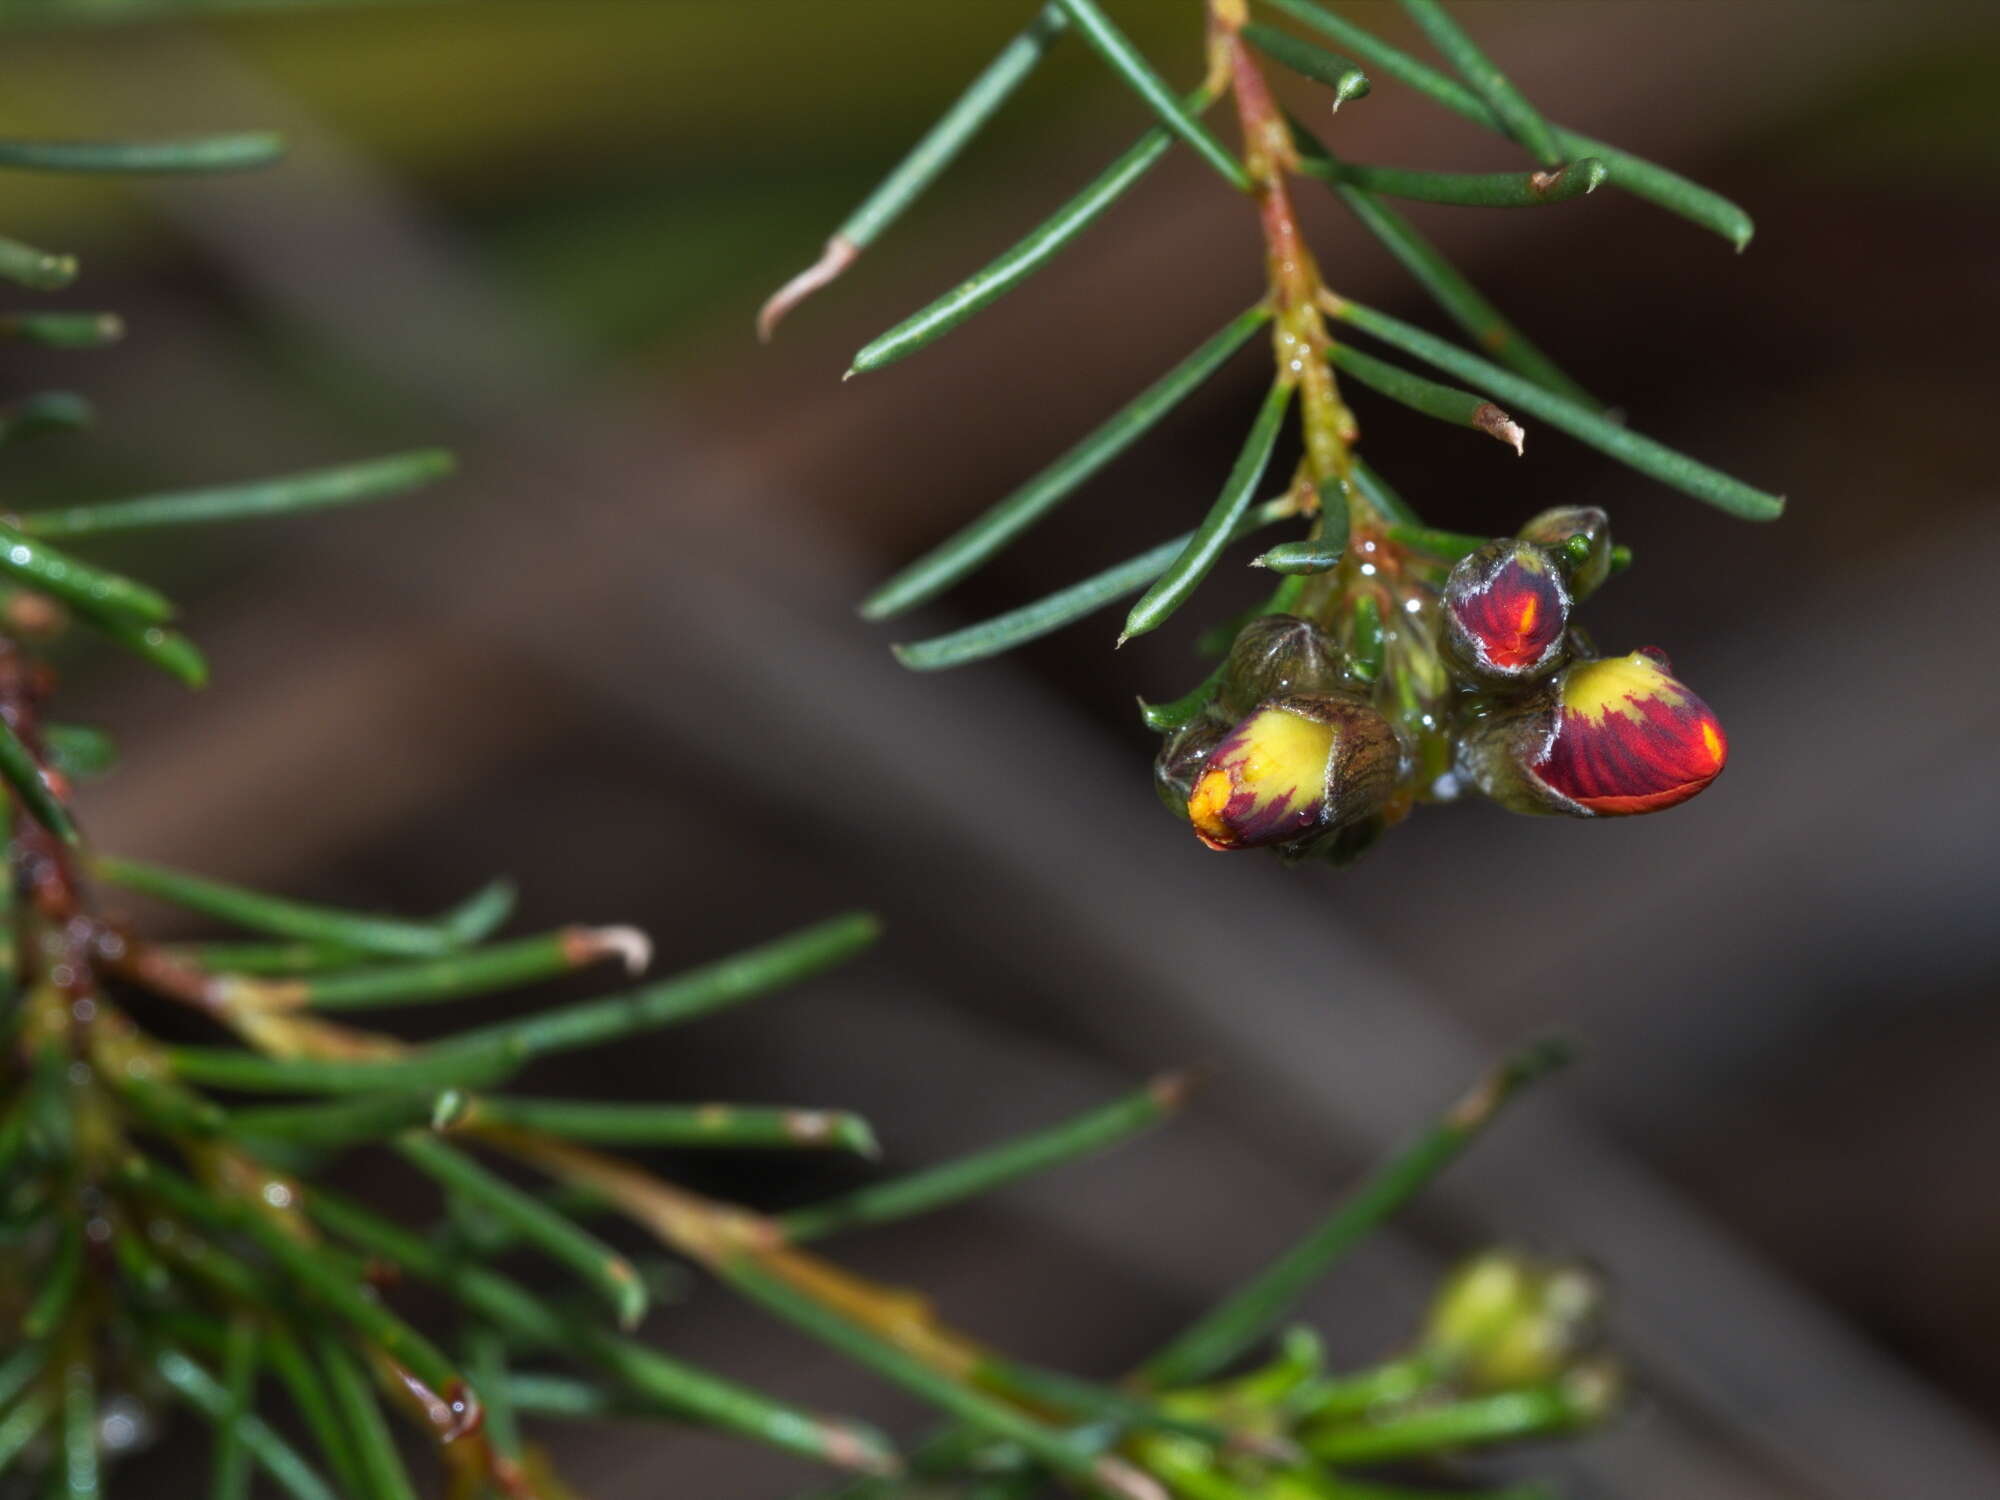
(1392, 664)
(168, 1238)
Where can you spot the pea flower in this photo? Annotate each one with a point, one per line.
(1611, 737)
(1506, 608)
(1299, 773)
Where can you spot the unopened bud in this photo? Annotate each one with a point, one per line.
(1505, 610)
(1608, 738)
(1579, 537)
(1278, 656)
(1504, 1320)
(1296, 772)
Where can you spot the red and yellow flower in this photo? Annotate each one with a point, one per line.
(1298, 771)
(1613, 738)
(1506, 612)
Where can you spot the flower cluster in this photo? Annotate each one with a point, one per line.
(1399, 675)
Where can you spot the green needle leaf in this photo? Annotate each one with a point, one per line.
(78, 751)
(1016, 265)
(745, 976)
(478, 971)
(1641, 178)
(78, 1454)
(1103, 1474)
(1462, 301)
(1365, 646)
(1508, 1416)
(296, 919)
(64, 330)
(970, 1176)
(936, 571)
(1520, 118)
(229, 1469)
(1451, 545)
(1259, 1305)
(1337, 73)
(311, 1399)
(265, 958)
(40, 269)
(169, 650)
(41, 566)
(22, 1424)
(1127, 62)
(1468, 189)
(43, 414)
(22, 772)
(347, 484)
(213, 153)
(372, 1117)
(664, 1384)
(939, 147)
(59, 1277)
(1032, 621)
(735, 1126)
(1303, 558)
(1187, 570)
(1162, 718)
(557, 1237)
(1375, 490)
(361, 1413)
(1446, 403)
(1676, 470)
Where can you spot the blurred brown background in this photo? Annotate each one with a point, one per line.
(616, 657)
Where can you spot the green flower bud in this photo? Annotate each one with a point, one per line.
(1504, 1320)
(1579, 536)
(1278, 656)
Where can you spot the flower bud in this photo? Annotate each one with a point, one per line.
(1505, 1320)
(1296, 771)
(1580, 538)
(1505, 610)
(1277, 656)
(1608, 738)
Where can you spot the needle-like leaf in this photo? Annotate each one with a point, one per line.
(1653, 459)
(1255, 1308)
(1187, 570)
(212, 153)
(1520, 118)
(22, 772)
(63, 330)
(1467, 189)
(1064, 607)
(969, 1176)
(936, 571)
(917, 171)
(42, 270)
(1336, 72)
(1028, 256)
(1129, 64)
(347, 484)
(1446, 403)
(1641, 178)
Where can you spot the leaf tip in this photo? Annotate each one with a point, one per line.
(839, 254)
